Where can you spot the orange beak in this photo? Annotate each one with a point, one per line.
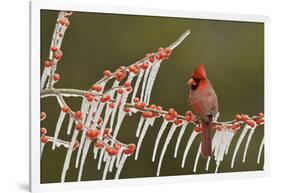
(191, 82)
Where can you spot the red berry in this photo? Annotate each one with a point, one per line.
(90, 98)
(79, 126)
(136, 99)
(117, 146)
(56, 77)
(54, 49)
(251, 123)
(197, 129)
(144, 66)
(238, 117)
(106, 73)
(158, 57)
(128, 151)
(44, 139)
(159, 108)
(178, 121)
(129, 89)
(111, 105)
(168, 50)
(43, 131)
(100, 121)
(62, 21)
(119, 75)
(47, 63)
(92, 133)
(151, 59)
(42, 116)
(57, 56)
(245, 117)
(98, 144)
(260, 114)
(127, 84)
(106, 131)
(168, 117)
(65, 109)
(120, 91)
(127, 109)
(78, 115)
(132, 146)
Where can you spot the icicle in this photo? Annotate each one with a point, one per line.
(70, 123)
(197, 159)
(101, 158)
(87, 124)
(58, 127)
(208, 163)
(252, 130)
(179, 138)
(118, 98)
(218, 143)
(217, 167)
(188, 145)
(97, 115)
(84, 155)
(144, 82)
(68, 155)
(168, 139)
(214, 141)
(260, 150)
(243, 134)
(95, 151)
(45, 74)
(113, 159)
(108, 112)
(42, 145)
(151, 80)
(143, 132)
(120, 166)
(106, 167)
(140, 75)
(118, 158)
(160, 133)
(231, 135)
(121, 115)
(84, 109)
(140, 126)
(114, 85)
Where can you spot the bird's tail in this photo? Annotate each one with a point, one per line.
(206, 145)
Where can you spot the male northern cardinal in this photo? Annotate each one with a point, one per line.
(204, 104)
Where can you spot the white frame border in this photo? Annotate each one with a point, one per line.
(35, 8)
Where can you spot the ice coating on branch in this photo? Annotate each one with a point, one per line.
(140, 126)
(252, 130)
(84, 155)
(120, 166)
(151, 79)
(136, 87)
(179, 138)
(188, 145)
(260, 150)
(241, 137)
(160, 133)
(106, 167)
(197, 158)
(70, 123)
(68, 155)
(58, 127)
(144, 82)
(168, 139)
(142, 135)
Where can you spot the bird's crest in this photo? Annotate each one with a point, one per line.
(199, 72)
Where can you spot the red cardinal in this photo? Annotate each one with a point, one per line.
(204, 104)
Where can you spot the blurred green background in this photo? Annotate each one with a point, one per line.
(232, 52)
